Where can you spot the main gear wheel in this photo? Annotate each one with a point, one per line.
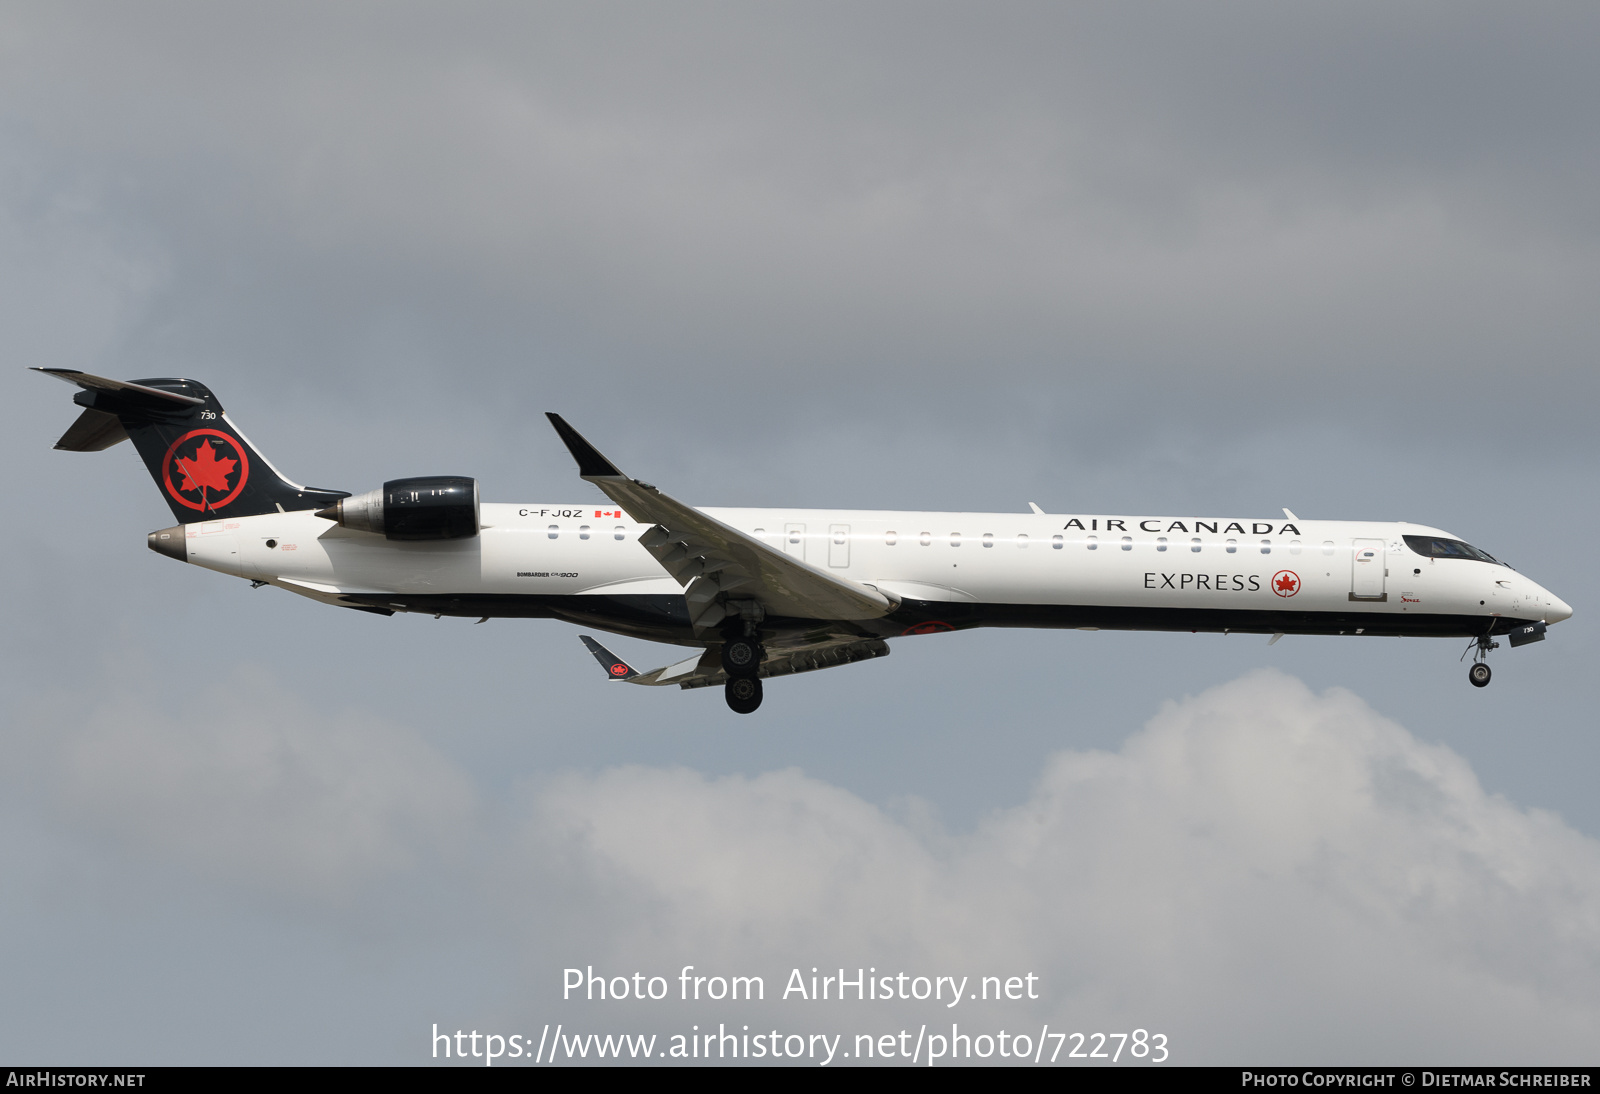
(743, 695)
(741, 658)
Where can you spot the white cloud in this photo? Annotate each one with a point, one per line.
(1263, 872)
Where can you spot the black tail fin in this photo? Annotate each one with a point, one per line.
(204, 466)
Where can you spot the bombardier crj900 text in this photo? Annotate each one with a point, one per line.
(767, 592)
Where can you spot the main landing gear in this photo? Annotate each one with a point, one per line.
(742, 657)
(741, 660)
(743, 694)
(1479, 673)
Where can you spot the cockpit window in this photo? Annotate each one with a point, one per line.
(1437, 547)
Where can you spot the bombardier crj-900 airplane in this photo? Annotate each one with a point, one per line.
(768, 592)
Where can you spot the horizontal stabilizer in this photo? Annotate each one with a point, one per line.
(94, 431)
(119, 387)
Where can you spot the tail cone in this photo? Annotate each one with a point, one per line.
(169, 542)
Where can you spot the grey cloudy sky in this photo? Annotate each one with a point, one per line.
(1108, 257)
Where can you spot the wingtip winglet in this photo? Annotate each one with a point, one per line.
(616, 668)
(591, 464)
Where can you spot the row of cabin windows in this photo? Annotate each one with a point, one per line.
(1231, 546)
(620, 532)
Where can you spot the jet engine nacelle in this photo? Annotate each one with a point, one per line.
(427, 507)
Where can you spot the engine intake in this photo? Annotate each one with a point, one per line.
(427, 507)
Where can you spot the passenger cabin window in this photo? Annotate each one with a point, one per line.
(955, 539)
(620, 531)
(794, 537)
(1094, 543)
(1438, 547)
(1233, 546)
(555, 530)
(1161, 543)
(1327, 546)
(1127, 543)
(927, 538)
(1294, 546)
(1022, 540)
(1056, 543)
(890, 538)
(1194, 545)
(1266, 546)
(988, 539)
(583, 531)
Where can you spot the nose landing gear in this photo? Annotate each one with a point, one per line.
(1479, 673)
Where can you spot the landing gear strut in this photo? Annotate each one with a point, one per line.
(743, 694)
(1479, 673)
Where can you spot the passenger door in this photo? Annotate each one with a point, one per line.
(1367, 571)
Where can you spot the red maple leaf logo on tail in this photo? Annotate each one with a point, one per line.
(216, 458)
(204, 469)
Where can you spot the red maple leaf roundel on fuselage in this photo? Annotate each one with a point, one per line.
(205, 469)
(1285, 582)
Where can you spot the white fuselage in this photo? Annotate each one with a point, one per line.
(985, 568)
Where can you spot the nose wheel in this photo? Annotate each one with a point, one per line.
(743, 694)
(1478, 674)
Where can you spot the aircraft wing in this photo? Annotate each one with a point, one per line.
(716, 563)
(705, 669)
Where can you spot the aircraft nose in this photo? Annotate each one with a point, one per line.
(1557, 611)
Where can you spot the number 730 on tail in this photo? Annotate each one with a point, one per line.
(765, 592)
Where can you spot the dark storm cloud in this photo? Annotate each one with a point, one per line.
(1106, 198)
